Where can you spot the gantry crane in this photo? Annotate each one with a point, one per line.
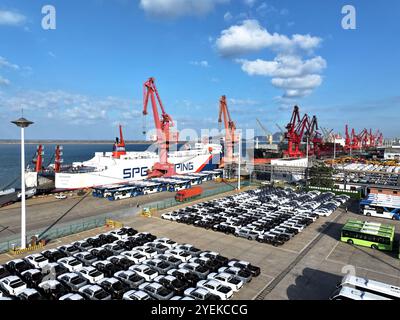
(230, 127)
(268, 135)
(295, 133)
(164, 135)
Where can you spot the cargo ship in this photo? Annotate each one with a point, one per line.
(105, 168)
(263, 153)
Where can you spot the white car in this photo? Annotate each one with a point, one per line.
(71, 263)
(135, 256)
(91, 274)
(135, 295)
(72, 296)
(147, 251)
(60, 196)
(172, 216)
(227, 279)
(217, 288)
(94, 292)
(37, 260)
(180, 254)
(144, 271)
(12, 285)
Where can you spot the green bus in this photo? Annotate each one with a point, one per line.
(368, 234)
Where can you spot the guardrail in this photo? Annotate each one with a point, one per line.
(11, 243)
(352, 193)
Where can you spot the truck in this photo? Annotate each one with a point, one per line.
(188, 194)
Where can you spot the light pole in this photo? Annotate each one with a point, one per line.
(240, 158)
(23, 123)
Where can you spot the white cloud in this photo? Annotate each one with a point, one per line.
(202, 63)
(70, 107)
(178, 8)
(296, 76)
(10, 18)
(4, 81)
(250, 36)
(283, 66)
(289, 70)
(7, 64)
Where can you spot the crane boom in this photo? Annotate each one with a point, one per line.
(230, 127)
(163, 125)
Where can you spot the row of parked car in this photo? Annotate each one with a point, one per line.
(124, 264)
(269, 215)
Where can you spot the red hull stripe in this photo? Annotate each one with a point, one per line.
(204, 164)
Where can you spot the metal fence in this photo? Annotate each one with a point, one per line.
(63, 230)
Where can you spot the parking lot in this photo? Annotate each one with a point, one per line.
(307, 267)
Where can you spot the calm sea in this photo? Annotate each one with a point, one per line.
(10, 157)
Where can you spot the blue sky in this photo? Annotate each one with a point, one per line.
(83, 78)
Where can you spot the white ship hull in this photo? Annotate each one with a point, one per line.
(103, 169)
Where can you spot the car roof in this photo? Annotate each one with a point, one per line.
(11, 278)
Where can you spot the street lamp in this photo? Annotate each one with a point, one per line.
(23, 123)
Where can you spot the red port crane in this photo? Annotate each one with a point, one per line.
(348, 141)
(230, 127)
(290, 134)
(38, 160)
(315, 137)
(295, 133)
(119, 145)
(163, 124)
(58, 159)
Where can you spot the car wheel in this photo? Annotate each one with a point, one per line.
(368, 214)
(374, 246)
(249, 238)
(350, 241)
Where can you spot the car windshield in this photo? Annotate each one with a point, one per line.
(70, 249)
(149, 271)
(94, 273)
(36, 276)
(40, 259)
(177, 283)
(76, 280)
(21, 265)
(117, 286)
(74, 262)
(163, 291)
(101, 294)
(16, 284)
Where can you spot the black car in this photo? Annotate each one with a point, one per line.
(53, 255)
(270, 240)
(174, 284)
(129, 231)
(107, 238)
(16, 267)
(3, 272)
(220, 258)
(113, 286)
(106, 267)
(254, 270)
(95, 242)
(128, 245)
(121, 262)
(147, 236)
(187, 276)
(32, 277)
(101, 253)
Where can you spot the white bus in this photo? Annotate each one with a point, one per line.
(384, 206)
(371, 286)
(347, 293)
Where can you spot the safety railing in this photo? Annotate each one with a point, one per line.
(63, 230)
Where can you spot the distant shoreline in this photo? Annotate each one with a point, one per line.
(61, 142)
